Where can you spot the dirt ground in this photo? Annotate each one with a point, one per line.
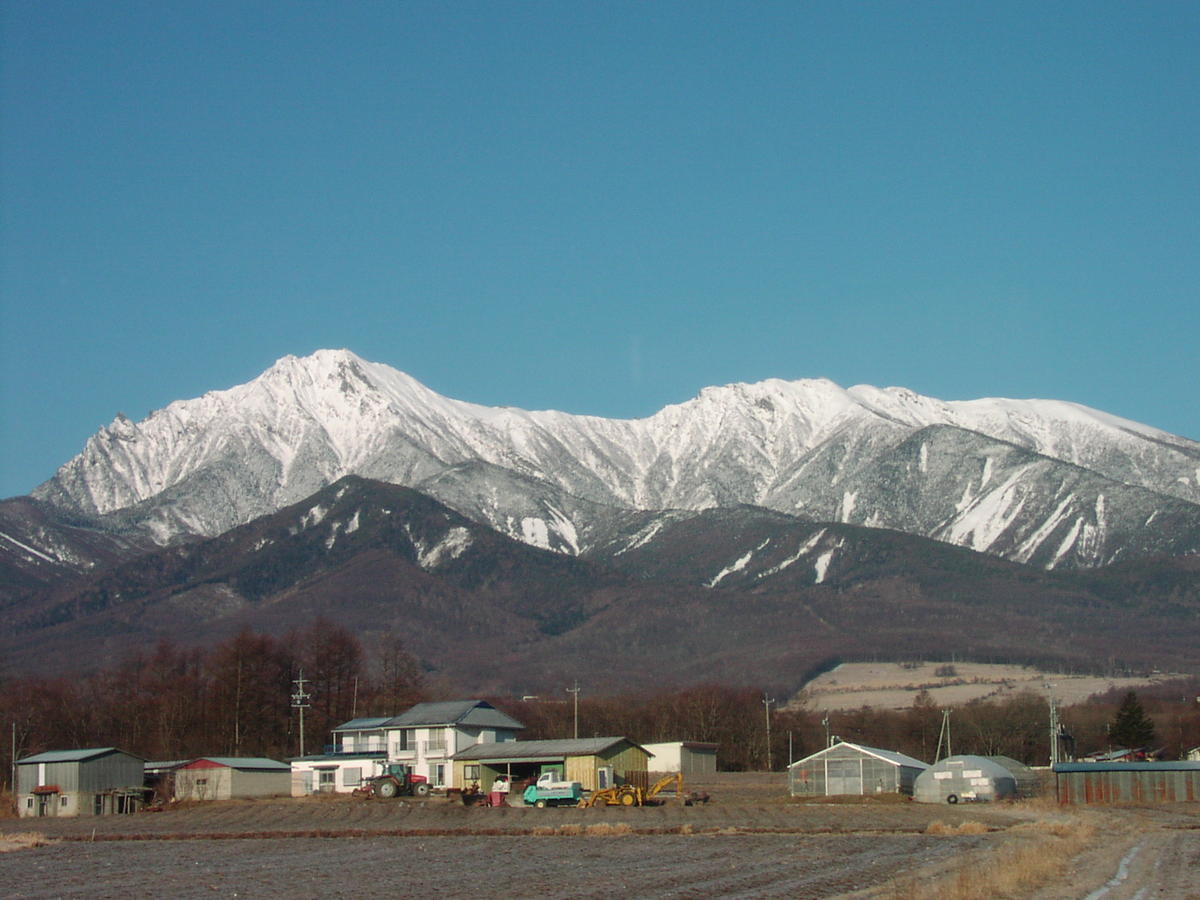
(749, 841)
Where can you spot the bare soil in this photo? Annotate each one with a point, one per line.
(751, 840)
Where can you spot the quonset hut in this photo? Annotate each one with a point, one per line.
(966, 779)
(847, 768)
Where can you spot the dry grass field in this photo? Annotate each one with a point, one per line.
(895, 685)
(750, 841)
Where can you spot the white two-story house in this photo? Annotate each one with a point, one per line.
(428, 734)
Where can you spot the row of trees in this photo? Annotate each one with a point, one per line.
(736, 720)
(235, 699)
(231, 699)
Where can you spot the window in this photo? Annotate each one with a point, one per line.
(439, 774)
(29, 803)
(471, 773)
(63, 801)
(201, 781)
(352, 777)
(402, 741)
(326, 782)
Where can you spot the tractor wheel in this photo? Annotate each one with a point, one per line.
(628, 799)
(953, 798)
(386, 789)
(421, 789)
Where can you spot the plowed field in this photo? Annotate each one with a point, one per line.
(750, 841)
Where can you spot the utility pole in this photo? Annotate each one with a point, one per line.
(767, 701)
(944, 735)
(828, 740)
(300, 700)
(1054, 730)
(575, 691)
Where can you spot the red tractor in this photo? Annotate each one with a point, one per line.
(397, 780)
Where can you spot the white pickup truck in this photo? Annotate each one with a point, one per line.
(549, 791)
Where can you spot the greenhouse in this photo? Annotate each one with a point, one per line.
(965, 779)
(846, 768)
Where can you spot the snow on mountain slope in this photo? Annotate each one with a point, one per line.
(806, 447)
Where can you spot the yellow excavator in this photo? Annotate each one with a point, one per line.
(631, 795)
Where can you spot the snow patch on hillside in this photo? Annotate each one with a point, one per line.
(737, 566)
(804, 549)
(642, 537)
(986, 518)
(821, 566)
(26, 548)
(453, 544)
(1028, 547)
(535, 532)
(1067, 543)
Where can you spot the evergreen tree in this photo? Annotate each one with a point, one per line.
(1131, 727)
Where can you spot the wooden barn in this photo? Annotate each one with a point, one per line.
(594, 762)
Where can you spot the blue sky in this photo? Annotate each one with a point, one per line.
(596, 207)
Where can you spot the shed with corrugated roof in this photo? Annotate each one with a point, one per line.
(595, 763)
(1177, 781)
(227, 777)
(88, 782)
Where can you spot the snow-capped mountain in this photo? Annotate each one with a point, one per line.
(1045, 482)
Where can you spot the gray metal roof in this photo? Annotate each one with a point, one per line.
(1171, 766)
(256, 763)
(890, 756)
(350, 755)
(363, 724)
(514, 750)
(60, 756)
(478, 713)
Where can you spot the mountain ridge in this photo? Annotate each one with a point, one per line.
(741, 594)
(199, 467)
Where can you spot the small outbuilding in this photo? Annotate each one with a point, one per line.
(847, 768)
(693, 758)
(335, 773)
(1128, 782)
(966, 779)
(227, 777)
(92, 782)
(595, 763)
